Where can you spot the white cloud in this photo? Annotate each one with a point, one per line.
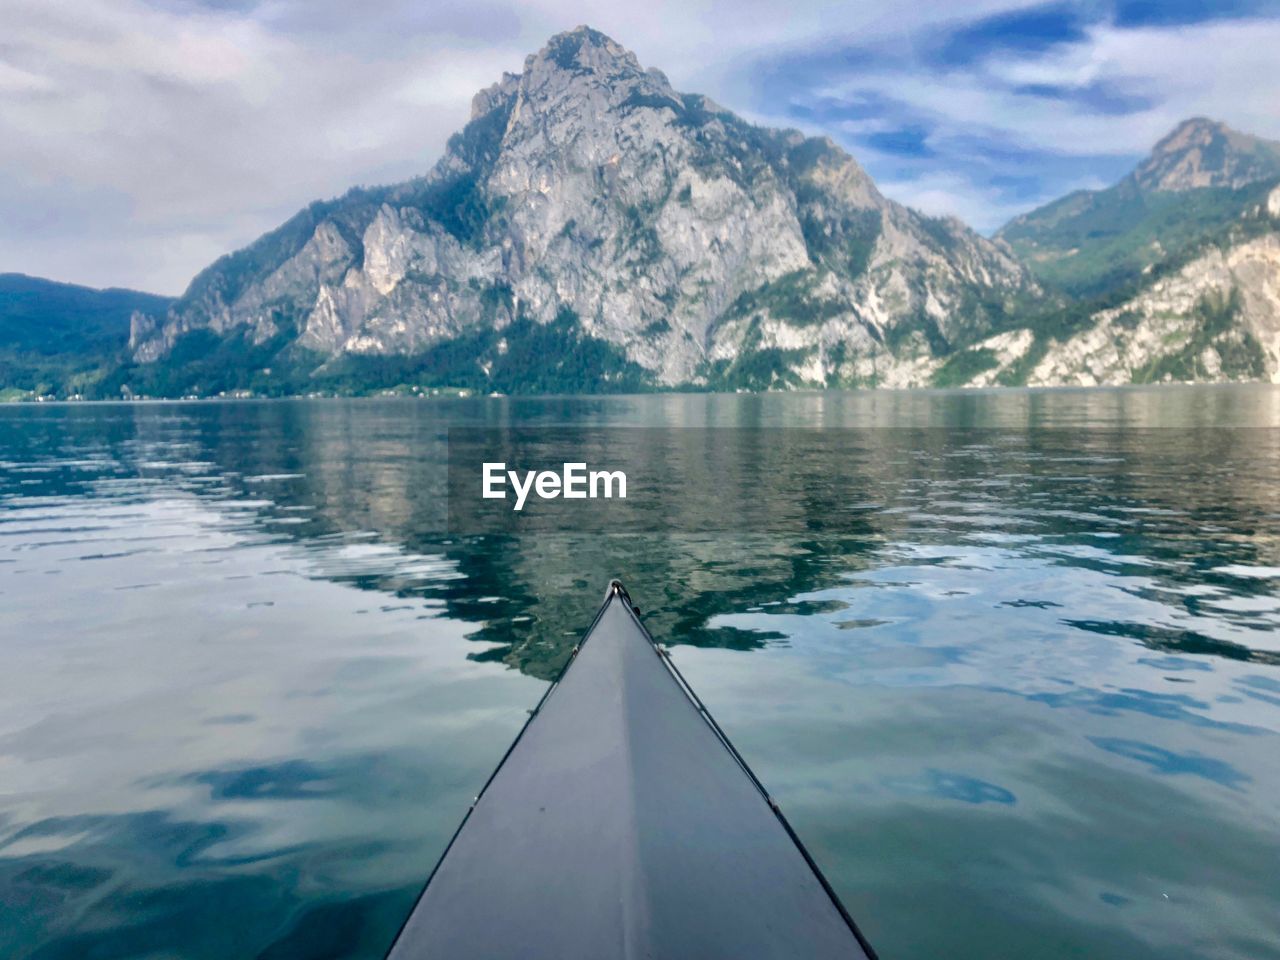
(140, 140)
(1222, 70)
(1225, 70)
(979, 205)
(14, 80)
(211, 128)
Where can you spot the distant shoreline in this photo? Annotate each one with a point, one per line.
(895, 391)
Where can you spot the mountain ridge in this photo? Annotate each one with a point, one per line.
(1200, 152)
(1197, 177)
(56, 335)
(1173, 271)
(669, 228)
(591, 228)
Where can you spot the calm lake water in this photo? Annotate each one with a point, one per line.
(1012, 669)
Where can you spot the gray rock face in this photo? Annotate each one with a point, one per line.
(585, 190)
(1203, 153)
(1217, 319)
(1170, 274)
(666, 225)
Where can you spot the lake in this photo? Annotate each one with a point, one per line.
(1009, 661)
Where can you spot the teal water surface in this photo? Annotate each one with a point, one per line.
(1010, 662)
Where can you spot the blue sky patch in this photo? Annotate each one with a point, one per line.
(1034, 30)
(1102, 97)
(904, 104)
(907, 141)
(1174, 13)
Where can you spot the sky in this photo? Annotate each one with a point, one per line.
(142, 139)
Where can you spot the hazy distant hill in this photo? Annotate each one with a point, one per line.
(55, 334)
(1171, 274)
(1197, 180)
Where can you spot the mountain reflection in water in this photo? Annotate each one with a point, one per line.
(1008, 660)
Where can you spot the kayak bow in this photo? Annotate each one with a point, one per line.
(622, 823)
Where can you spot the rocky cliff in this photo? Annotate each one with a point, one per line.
(1201, 153)
(1171, 274)
(588, 195)
(1196, 182)
(592, 228)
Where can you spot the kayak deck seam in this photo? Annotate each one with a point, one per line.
(497, 769)
(617, 591)
(710, 721)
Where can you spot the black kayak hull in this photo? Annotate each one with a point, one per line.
(621, 823)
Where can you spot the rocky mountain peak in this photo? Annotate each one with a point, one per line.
(588, 198)
(584, 50)
(583, 71)
(1200, 152)
(494, 96)
(570, 62)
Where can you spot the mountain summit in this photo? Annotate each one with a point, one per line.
(591, 228)
(1173, 270)
(652, 235)
(1199, 179)
(1204, 153)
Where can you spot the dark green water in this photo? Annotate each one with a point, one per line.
(1016, 682)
